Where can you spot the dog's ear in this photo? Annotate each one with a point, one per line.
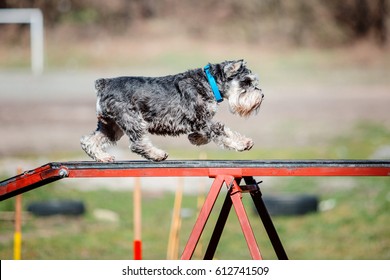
(231, 68)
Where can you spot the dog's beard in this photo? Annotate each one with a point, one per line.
(244, 103)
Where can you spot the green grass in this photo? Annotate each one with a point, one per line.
(361, 142)
(357, 228)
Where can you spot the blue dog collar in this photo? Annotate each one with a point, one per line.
(213, 84)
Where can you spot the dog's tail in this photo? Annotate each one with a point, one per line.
(100, 84)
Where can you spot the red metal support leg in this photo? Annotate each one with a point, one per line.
(236, 197)
(219, 226)
(202, 218)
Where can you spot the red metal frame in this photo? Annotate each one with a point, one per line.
(223, 172)
(58, 170)
(235, 168)
(233, 197)
(244, 222)
(206, 211)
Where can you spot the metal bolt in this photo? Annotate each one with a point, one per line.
(63, 173)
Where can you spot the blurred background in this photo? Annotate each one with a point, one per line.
(324, 67)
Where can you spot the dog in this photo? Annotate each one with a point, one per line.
(178, 104)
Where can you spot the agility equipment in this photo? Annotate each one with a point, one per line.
(137, 218)
(18, 226)
(228, 173)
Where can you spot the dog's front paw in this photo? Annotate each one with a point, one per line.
(244, 145)
(249, 144)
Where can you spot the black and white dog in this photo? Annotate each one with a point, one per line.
(178, 104)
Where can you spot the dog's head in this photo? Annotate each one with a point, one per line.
(241, 87)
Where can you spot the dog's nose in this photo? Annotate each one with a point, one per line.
(262, 95)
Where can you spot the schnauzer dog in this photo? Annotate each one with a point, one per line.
(178, 104)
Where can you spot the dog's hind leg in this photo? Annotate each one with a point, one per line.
(145, 148)
(106, 134)
(136, 129)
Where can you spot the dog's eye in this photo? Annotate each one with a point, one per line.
(246, 82)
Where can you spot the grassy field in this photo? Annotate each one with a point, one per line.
(358, 227)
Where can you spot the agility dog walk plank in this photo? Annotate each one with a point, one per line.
(54, 171)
